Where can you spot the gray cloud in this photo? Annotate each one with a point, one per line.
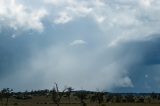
(118, 44)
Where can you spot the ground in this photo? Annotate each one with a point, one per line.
(46, 101)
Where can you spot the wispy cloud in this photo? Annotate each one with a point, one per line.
(77, 42)
(63, 18)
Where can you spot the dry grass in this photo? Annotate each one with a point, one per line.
(46, 101)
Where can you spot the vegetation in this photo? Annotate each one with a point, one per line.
(97, 97)
(5, 94)
(70, 97)
(82, 95)
(57, 95)
(68, 93)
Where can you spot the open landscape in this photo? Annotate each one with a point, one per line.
(69, 97)
(79, 52)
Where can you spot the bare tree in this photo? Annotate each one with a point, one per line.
(57, 95)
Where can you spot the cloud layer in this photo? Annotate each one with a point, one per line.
(106, 44)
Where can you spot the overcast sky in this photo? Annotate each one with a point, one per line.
(111, 45)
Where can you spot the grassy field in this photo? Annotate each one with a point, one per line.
(77, 98)
(46, 101)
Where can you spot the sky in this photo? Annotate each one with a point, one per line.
(110, 45)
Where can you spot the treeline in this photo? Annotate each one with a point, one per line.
(84, 97)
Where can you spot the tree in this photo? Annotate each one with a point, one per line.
(82, 95)
(57, 95)
(1, 98)
(98, 97)
(68, 93)
(6, 93)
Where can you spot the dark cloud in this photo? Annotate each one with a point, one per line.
(144, 67)
(120, 51)
(140, 59)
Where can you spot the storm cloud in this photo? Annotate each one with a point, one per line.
(110, 45)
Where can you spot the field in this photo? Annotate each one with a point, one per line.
(68, 97)
(46, 101)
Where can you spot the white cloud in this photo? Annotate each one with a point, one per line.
(69, 9)
(100, 19)
(125, 82)
(77, 42)
(16, 15)
(63, 18)
(80, 10)
(13, 36)
(146, 3)
(54, 2)
(99, 3)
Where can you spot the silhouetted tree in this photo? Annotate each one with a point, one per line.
(98, 97)
(130, 98)
(108, 98)
(153, 95)
(68, 93)
(1, 98)
(57, 95)
(6, 93)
